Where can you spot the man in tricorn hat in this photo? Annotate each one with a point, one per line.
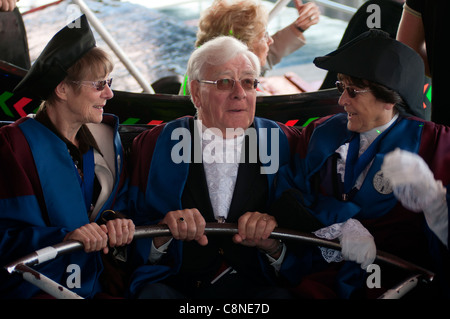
(62, 168)
(367, 174)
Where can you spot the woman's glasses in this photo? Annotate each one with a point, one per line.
(351, 91)
(228, 84)
(98, 85)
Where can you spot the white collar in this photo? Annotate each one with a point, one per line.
(372, 134)
(216, 149)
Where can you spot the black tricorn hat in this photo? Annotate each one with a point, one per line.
(50, 68)
(376, 57)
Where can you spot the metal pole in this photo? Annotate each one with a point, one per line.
(21, 266)
(401, 289)
(46, 284)
(278, 6)
(52, 252)
(114, 46)
(337, 6)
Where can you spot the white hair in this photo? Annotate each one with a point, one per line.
(219, 51)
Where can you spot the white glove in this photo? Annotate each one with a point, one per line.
(414, 186)
(411, 179)
(357, 244)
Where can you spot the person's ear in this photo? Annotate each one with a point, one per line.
(389, 106)
(195, 93)
(61, 90)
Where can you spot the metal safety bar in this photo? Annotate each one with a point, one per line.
(278, 6)
(103, 32)
(401, 289)
(22, 265)
(337, 6)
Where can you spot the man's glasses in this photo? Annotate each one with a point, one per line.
(98, 85)
(351, 91)
(228, 84)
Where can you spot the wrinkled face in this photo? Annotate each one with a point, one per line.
(222, 109)
(260, 47)
(364, 111)
(86, 104)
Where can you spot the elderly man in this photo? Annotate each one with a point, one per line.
(218, 166)
(366, 172)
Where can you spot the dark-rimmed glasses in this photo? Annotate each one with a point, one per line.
(351, 91)
(228, 84)
(98, 85)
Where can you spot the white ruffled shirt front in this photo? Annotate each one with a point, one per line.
(221, 179)
(221, 158)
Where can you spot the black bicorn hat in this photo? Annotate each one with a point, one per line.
(61, 52)
(376, 57)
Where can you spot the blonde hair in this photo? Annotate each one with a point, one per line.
(243, 19)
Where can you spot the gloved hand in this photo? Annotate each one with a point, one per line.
(414, 186)
(412, 181)
(357, 244)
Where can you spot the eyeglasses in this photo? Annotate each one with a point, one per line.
(351, 91)
(98, 85)
(228, 84)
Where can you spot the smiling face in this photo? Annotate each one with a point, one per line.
(85, 104)
(365, 111)
(221, 109)
(74, 103)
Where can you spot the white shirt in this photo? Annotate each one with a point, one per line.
(365, 139)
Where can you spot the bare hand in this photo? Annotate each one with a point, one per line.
(93, 237)
(120, 232)
(254, 229)
(309, 14)
(185, 225)
(7, 5)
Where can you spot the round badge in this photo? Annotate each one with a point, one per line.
(381, 184)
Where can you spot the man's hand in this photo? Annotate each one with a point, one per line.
(254, 229)
(185, 225)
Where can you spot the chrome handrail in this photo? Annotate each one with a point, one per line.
(22, 265)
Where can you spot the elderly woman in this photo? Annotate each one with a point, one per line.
(247, 21)
(64, 167)
(365, 173)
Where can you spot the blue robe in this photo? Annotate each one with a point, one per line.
(395, 229)
(157, 185)
(41, 202)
